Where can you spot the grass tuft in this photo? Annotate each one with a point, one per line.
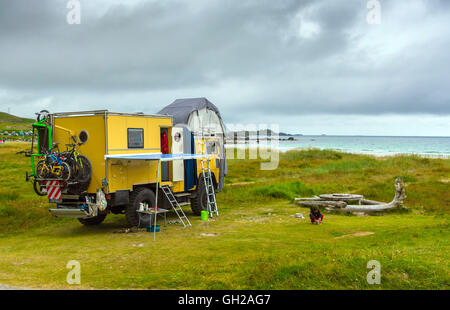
(9, 196)
(284, 191)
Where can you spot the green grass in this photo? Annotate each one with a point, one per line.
(259, 245)
(284, 190)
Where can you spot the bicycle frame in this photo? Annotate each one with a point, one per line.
(55, 170)
(36, 126)
(55, 167)
(74, 152)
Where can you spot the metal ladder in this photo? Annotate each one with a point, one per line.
(175, 205)
(209, 185)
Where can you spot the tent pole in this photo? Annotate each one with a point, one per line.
(156, 199)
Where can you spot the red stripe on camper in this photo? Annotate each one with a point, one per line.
(53, 190)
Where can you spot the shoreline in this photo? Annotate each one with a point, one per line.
(375, 154)
(284, 150)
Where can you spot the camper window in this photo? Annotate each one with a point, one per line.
(211, 147)
(135, 138)
(83, 136)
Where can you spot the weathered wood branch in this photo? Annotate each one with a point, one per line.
(370, 202)
(322, 203)
(315, 198)
(365, 208)
(397, 202)
(339, 202)
(342, 197)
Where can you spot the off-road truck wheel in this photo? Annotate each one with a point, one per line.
(200, 202)
(138, 196)
(93, 220)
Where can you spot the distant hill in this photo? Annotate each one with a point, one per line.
(5, 117)
(269, 132)
(11, 122)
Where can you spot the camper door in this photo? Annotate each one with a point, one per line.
(177, 148)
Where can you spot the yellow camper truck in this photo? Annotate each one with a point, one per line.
(127, 154)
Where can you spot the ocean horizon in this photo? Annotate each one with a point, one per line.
(426, 146)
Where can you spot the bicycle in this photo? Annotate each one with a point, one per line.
(37, 186)
(80, 165)
(53, 166)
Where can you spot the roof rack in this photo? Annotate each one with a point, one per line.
(106, 112)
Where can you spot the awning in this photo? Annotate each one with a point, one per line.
(160, 158)
(157, 156)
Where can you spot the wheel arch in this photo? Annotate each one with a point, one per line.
(215, 181)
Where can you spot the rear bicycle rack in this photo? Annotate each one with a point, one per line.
(65, 182)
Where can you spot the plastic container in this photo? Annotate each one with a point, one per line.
(204, 215)
(150, 228)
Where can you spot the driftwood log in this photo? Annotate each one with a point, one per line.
(342, 197)
(321, 203)
(375, 206)
(339, 202)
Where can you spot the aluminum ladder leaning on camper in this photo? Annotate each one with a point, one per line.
(207, 179)
(176, 206)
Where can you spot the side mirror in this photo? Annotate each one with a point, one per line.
(74, 139)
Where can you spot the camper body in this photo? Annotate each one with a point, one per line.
(124, 181)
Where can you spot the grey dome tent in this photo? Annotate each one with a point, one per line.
(198, 114)
(203, 119)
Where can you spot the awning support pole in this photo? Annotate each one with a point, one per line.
(156, 198)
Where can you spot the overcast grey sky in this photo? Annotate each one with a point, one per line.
(313, 66)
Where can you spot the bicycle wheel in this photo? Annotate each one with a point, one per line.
(65, 171)
(41, 170)
(84, 169)
(43, 114)
(72, 167)
(39, 189)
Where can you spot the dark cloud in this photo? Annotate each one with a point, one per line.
(262, 57)
(149, 46)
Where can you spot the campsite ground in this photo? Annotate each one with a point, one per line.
(256, 243)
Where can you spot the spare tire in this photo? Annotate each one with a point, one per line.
(81, 176)
(82, 169)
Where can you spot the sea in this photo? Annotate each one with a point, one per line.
(435, 147)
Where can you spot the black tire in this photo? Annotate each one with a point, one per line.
(200, 202)
(77, 188)
(84, 173)
(82, 176)
(93, 220)
(137, 197)
(38, 188)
